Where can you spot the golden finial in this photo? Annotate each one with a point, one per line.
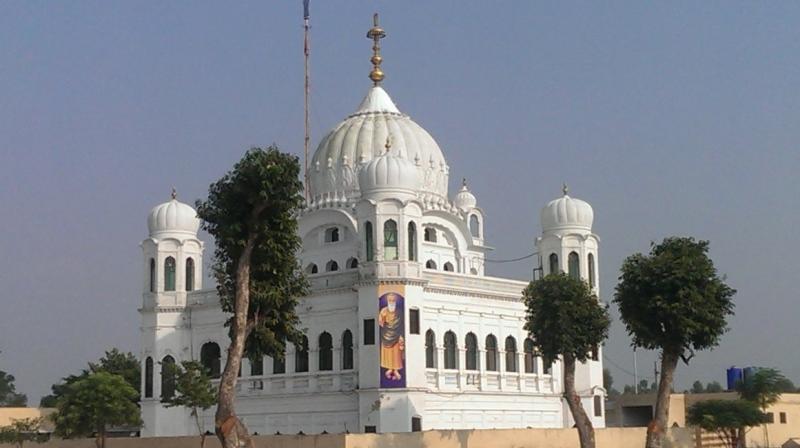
(376, 33)
(174, 194)
(564, 188)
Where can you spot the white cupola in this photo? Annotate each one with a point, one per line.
(465, 200)
(388, 173)
(173, 218)
(567, 213)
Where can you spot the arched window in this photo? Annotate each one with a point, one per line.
(210, 359)
(352, 263)
(325, 351)
(530, 356)
(190, 274)
(511, 354)
(430, 349)
(152, 275)
(167, 377)
(474, 226)
(412, 241)
(148, 377)
(448, 267)
(279, 364)
(169, 274)
(554, 264)
(347, 350)
(331, 266)
(591, 270)
(390, 240)
(312, 268)
(430, 234)
(331, 235)
(574, 265)
(471, 344)
(301, 356)
(430, 264)
(491, 353)
(450, 351)
(257, 367)
(369, 240)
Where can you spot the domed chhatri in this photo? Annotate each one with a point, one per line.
(388, 172)
(465, 200)
(173, 216)
(567, 213)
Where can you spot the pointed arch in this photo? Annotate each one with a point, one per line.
(450, 350)
(412, 241)
(167, 377)
(369, 241)
(210, 357)
(471, 345)
(511, 354)
(554, 264)
(430, 349)
(152, 275)
(591, 273)
(325, 351)
(347, 350)
(190, 274)
(390, 240)
(169, 274)
(331, 266)
(430, 264)
(491, 353)
(301, 356)
(530, 356)
(352, 263)
(148, 377)
(312, 269)
(448, 267)
(574, 265)
(474, 226)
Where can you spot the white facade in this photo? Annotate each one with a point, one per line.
(379, 220)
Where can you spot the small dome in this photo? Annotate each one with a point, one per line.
(567, 213)
(173, 217)
(465, 200)
(388, 172)
(360, 138)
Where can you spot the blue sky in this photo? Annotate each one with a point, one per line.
(674, 118)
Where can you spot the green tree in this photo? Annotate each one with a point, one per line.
(92, 404)
(672, 300)
(565, 318)
(193, 390)
(714, 387)
(608, 384)
(114, 361)
(763, 388)
(251, 213)
(9, 398)
(697, 387)
(727, 418)
(23, 430)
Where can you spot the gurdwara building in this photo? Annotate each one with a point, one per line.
(405, 330)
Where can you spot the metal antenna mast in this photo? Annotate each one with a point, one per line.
(307, 137)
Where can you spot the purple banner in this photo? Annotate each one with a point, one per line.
(391, 322)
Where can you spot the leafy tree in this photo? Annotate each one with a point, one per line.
(727, 418)
(9, 398)
(193, 390)
(672, 300)
(714, 387)
(763, 388)
(565, 318)
(251, 213)
(697, 387)
(92, 404)
(114, 361)
(23, 430)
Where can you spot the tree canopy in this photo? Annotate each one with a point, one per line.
(92, 404)
(23, 430)
(114, 361)
(565, 318)
(193, 390)
(726, 418)
(9, 398)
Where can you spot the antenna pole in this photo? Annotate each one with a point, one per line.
(307, 137)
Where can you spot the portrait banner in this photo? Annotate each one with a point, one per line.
(391, 324)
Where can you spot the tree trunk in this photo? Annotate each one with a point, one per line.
(582, 421)
(657, 427)
(229, 429)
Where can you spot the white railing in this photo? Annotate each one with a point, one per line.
(475, 381)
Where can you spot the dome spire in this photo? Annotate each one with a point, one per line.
(174, 194)
(564, 188)
(376, 33)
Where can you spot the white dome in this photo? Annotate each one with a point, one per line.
(465, 200)
(173, 217)
(362, 137)
(388, 172)
(567, 213)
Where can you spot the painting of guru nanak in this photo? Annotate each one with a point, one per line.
(393, 344)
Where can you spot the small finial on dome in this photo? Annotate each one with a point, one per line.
(174, 194)
(565, 189)
(388, 144)
(376, 33)
(464, 182)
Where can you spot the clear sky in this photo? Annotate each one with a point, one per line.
(670, 118)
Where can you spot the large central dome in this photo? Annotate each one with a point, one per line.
(362, 137)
